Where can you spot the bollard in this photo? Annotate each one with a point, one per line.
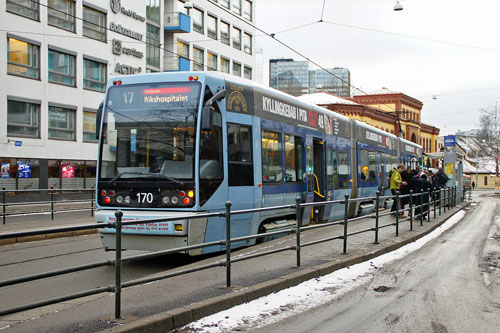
(411, 210)
(377, 201)
(118, 264)
(346, 211)
(3, 206)
(299, 225)
(52, 204)
(228, 244)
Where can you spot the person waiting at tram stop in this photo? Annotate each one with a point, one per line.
(406, 175)
(417, 184)
(396, 183)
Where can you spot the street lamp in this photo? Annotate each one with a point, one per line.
(398, 7)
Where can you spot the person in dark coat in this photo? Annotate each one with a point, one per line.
(417, 184)
(406, 176)
(440, 179)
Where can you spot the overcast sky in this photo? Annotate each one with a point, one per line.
(444, 48)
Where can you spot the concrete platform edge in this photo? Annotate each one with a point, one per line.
(167, 321)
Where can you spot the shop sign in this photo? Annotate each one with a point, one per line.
(126, 69)
(5, 170)
(68, 170)
(116, 7)
(23, 169)
(118, 49)
(118, 28)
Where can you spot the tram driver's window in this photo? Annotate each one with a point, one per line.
(239, 150)
(272, 157)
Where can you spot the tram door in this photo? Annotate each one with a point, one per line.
(381, 172)
(315, 176)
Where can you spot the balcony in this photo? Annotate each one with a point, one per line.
(177, 22)
(174, 63)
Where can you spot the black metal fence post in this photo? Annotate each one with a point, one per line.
(429, 205)
(434, 196)
(52, 203)
(440, 200)
(92, 202)
(377, 201)
(411, 210)
(421, 207)
(346, 212)
(3, 205)
(228, 244)
(299, 225)
(118, 264)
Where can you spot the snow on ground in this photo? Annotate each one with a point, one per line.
(288, 302)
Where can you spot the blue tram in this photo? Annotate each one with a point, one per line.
(181, 144)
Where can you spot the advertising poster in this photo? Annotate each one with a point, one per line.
(23, 169)
(68, 170)
(5, 170)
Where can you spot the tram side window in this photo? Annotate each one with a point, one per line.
(343, 170)
(272, 157)
(239, 148)
(335, 173)
(329, 168)
(293, 158)
(367, 164)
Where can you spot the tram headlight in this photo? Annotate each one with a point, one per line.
(175, 200)
(165, 200)
(119, 199)
(127, 200)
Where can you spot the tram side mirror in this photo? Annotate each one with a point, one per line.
(98, 119)
(207, 116)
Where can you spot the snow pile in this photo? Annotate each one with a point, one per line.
(288, 302)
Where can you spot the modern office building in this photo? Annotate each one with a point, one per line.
(60, 53)
(295, 78)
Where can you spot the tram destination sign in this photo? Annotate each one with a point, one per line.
(250, 101)
(378, 139)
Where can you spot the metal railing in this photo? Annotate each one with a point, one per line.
(440, 199)
(48, 205)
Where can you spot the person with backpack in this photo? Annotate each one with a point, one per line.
(440, 179)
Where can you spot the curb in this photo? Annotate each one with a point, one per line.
(179, 317)
(24, 239)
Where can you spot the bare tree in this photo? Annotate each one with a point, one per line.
(490, 132)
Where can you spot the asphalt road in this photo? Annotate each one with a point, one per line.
(452, 284)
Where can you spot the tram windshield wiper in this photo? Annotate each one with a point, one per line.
(146, 175)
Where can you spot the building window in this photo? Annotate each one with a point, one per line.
(211, 61)
(224, 32)
(197, 16)
(152, 46)
(247, 10)
(236, 6)
(198, 56)
(212, 26)
(24, 58)
(153, 11)
(94, 24)
(94, 75)
(224, 65)
(247, 73)
(26, 8)
(23, 119)
(236, 69)
(236, 38)
(89, 126)
(182, 49)
(224, 3)
(247, 43)
(61, 14)
(61, 123)
(272, 157)
(62, 68)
